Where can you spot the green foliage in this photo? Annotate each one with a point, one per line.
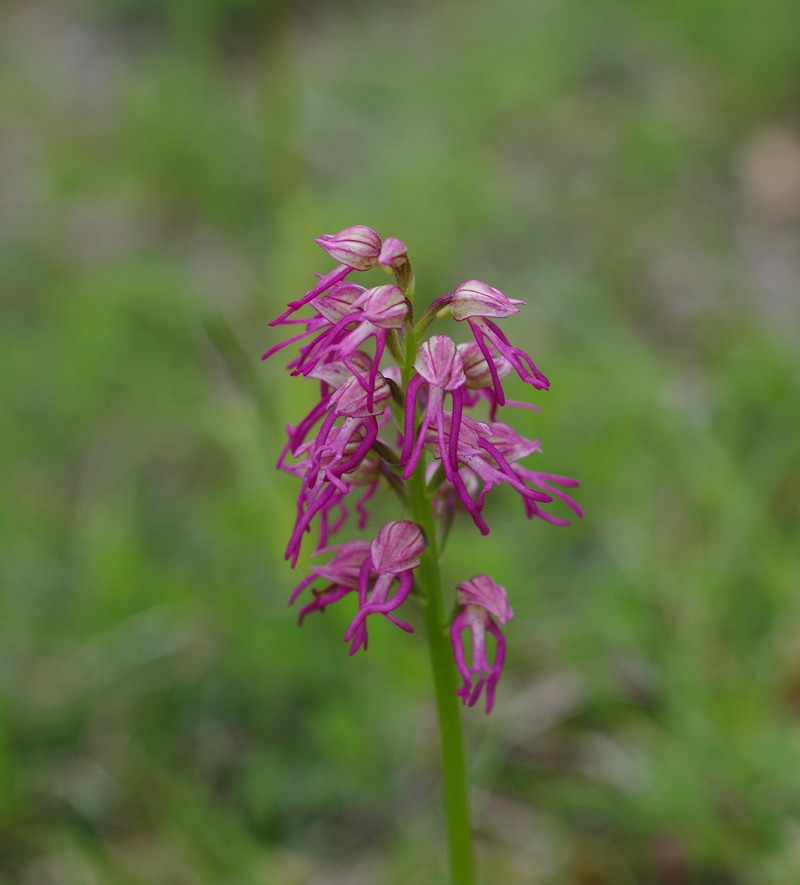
(165, 168)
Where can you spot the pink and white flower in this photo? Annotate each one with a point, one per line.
(483, 608)
(393, 556)
(475, 302)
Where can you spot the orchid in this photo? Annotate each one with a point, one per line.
(440, 370)
(338, 450)
(475, 302)
(417, 416)
(375, 312)
(393, 556)
(483, 607)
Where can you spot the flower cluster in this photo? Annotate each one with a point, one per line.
(392, 406)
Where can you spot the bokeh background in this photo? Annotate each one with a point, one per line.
(632, 170)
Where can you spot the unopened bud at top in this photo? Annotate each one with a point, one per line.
(394, 253)
(357, 247)
(477, 299)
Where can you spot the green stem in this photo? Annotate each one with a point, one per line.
(454, 771)
(451, 737)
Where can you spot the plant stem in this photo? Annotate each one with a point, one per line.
(451, 737)
(456, 801)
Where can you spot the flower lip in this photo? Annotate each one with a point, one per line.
(357, 247)
(482, 591)
(398, 547)
(476, 299)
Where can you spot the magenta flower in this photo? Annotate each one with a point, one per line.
(474, 302)
(477, 299)
(483, 605)
(359, 411)
(375, 312)
(335, 308)
(338, 450)
(332, 374)
(327, 501)
(440, 370)
(393, 556)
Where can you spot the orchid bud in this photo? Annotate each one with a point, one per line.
(357, 247)
(394, 253)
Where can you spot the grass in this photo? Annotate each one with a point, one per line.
(163, 177)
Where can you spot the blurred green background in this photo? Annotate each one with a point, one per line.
(632, 170)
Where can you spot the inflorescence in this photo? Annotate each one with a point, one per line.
(379, 423)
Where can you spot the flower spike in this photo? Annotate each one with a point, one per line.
(425, 427)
